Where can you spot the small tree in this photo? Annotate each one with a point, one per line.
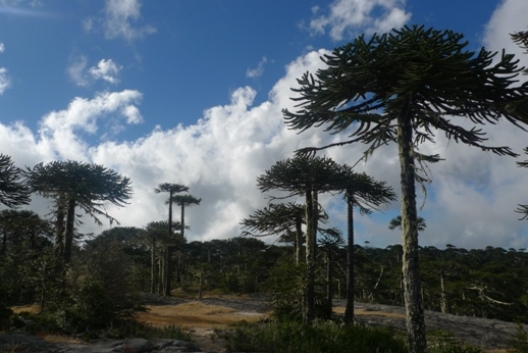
(304, 176)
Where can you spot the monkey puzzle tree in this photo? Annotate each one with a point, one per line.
(185, 201)
(279, 219)
(13, 192)
(400, 87)
(171, 189)
(81, 185)
(304, 176)
(362, 191)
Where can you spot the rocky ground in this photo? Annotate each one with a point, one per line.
(488, 334)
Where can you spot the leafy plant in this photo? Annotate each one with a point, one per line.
(321, 337)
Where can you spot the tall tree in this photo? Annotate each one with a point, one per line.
(172, 190)
(304, 176)
(81, 185)
(185, 201)
(523, 209)
(13, 192)
(400, 87)
(362, 191)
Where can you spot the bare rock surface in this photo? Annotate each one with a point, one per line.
(485, 333)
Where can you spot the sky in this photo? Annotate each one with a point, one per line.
(191, 92)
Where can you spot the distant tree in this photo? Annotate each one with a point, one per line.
(81, 185)
(185, 201)
(399, 87)
(304, 176)
(281, 219)
(172, 190)
(362, 191)
(13, 192)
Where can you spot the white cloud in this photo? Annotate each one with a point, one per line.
(4, 80)
(119, 17)
(471, 200)
(258, 71)
(509, 17)
(106, 70)
(59, 129)
(76, 70)
(348, 18)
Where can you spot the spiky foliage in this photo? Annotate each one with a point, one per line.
(284, 219)
(74, 184)
(172, 190)
(362, 191)
(185, 201)
(304, 176)
(400, 87)
(13, 192)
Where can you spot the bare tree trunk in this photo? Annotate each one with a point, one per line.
(329, 279)
(298, 240)
(443, 296)
(410, 262)
(153, 274)
(167, 271)
(161, 275)
(201, 282)
(309, 310)
(70, 225)
(349, 311)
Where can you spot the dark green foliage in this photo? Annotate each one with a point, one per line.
(13, 192)
(439, 341)
(320, 337)
(520, 340)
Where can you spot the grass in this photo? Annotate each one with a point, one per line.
(195, 314)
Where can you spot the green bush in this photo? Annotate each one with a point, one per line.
(320, 337)
(520, 340)
(440, 341)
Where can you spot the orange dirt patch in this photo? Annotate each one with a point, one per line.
(195, 315)
(341, 310)
(33, 309)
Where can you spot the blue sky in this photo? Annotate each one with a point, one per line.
(191, 92)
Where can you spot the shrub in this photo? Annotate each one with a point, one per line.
(320, 337)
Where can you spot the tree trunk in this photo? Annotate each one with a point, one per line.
(161, 275)
(201, 282)
(167, 271)
(70, 225)
(153, 274)
(349, 311)
(298, 240)
(309, 310)
(410, 262)
(443, 295)
(58, 247)
(329, 293)
(183, 220)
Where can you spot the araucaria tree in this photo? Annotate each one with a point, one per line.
(401, 87)
(172, 190)
(362, 191)
(13, 192)
(304, 176)
(75, 185)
